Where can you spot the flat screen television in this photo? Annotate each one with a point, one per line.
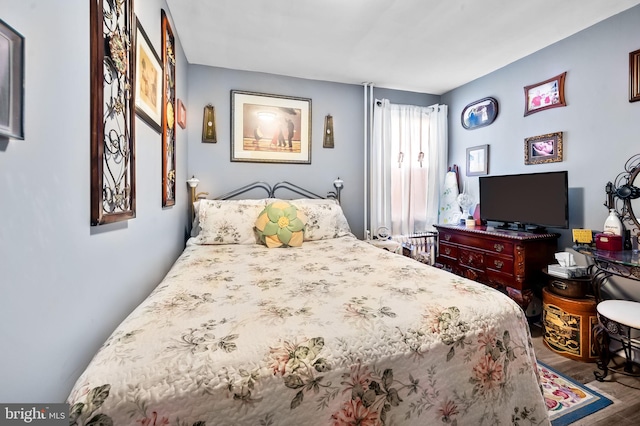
(531, 201)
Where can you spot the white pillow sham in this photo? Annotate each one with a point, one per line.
(226, 221)
(325, 218)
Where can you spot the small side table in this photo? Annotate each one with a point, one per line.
(568, 326)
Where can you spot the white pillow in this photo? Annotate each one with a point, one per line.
(325, 218)
(228, 221)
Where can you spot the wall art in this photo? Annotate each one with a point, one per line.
(479, 113)
(634, 76)
(545, 95)
(328, 139)
(11, 82)
(478, 160)
(270, 128)
(148, 80)
(543, 149)
(168, 113)
(181, 115)
(112, 71)
(209, 133)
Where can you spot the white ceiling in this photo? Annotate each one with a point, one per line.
(426, 46)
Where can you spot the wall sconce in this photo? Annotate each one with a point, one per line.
(209, 124)
(327, 140)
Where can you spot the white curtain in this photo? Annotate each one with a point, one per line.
(408, 166)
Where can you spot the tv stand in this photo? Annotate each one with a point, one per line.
(509, 260)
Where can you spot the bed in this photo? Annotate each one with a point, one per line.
(331, 332)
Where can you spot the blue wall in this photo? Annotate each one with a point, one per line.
(64, 285)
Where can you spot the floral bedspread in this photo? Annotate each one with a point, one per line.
(336, 332)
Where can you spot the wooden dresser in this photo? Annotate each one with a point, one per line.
(511, 261)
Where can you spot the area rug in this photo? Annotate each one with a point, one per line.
(568, 400)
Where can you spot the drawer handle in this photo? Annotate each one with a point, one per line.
(559, 285)
(447, 237)
(447, 250)
(499, 264)
(498, 247)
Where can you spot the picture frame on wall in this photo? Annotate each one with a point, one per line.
(181, 114)
(270, 128)
(148, 91)
(479, 113)
(12, 85)
(545, 95)
(168, 113)
(478, 160)
(113, 136)
(543, 149)
(634, 76)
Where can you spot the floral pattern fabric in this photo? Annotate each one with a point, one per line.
(228, 221)
(336, 332)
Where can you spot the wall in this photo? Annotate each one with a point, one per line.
(64, 285)
(218, 175)
(599, 124)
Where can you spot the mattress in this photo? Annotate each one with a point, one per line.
(334, 332)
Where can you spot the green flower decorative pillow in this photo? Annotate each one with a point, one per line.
(280, 224)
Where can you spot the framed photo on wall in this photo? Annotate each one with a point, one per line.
(543, 149)
(270, 128)
(634, 76)
(11, 82)
(148, 80)
(545, 95)
(479, 113)
(478, 160)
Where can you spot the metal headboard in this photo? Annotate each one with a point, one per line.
(247, 188)
(284, 185)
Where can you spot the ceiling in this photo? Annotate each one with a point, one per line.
(426, 46)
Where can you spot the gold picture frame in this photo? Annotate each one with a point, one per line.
(148, 91)
(270, 128)
(543, 149)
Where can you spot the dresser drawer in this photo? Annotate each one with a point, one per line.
(471, 259)
(447, 250)
(498, 247)
(503, 247)
(499, 264)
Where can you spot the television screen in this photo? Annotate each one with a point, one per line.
(533, 199)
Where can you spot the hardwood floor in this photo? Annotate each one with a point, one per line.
(623, 390)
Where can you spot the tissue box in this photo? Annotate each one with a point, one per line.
(567, 271)
(608, 242)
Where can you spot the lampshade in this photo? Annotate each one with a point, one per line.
(193, 182)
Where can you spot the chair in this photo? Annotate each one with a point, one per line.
(619, 321)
